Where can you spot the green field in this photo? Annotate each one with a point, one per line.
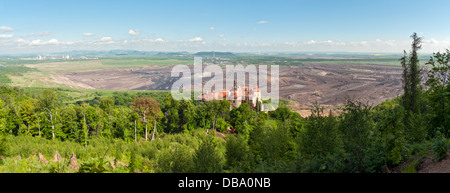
(137, 63)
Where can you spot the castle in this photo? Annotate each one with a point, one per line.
(236, 96)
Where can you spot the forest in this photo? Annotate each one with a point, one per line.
(157, 134)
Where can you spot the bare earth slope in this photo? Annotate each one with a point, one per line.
(334, 83)
(328, 84)
(429, 166)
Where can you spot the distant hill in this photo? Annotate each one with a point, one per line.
(216, 54)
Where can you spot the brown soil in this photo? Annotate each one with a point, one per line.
(430, 166)
(370, 84)
(334, 83)
(427, 165)
(149, 78)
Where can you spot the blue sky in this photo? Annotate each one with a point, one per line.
(301, 25)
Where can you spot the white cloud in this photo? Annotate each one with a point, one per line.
(41, 42)
(105, 39)
(45, 33)
(36, 42)
(134, 32)
(310, 42)
(21, 41)
(146, 40)
(196, 39)
(434, 45)
(88, 34)
(261, 22)
(160, 40)
(6, 29)
(53, 41)
(431, 41)
(212, 28)
(25, 44)
(6, 35)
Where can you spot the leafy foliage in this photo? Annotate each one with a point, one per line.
(207, 159)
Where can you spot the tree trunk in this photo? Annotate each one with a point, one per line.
(443, 100)
(53, 126)
(154, 131)
(135, 136)
(87, 130)
(145, 121)
(146, 131)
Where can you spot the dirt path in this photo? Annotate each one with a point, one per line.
(429, 166)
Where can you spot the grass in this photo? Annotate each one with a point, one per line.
(17, 70)
(139, 63)
(388, 62)
(68, 66)
(34, 79)
(71, 95)
(411, 167)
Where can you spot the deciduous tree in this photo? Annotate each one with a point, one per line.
(48, 103)
(149, 110)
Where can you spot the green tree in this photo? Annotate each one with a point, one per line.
(238, 154)
(28, 113)
(187, 115)
(134, 117)
(242, 119)
(390, 137)
(319, 143)
(3, 117)
(291, 120)
(122, 123)
(411, 76)
(176, 159)
(202, 116)
(149, 110)
(438, 93)
(170, 108)
(48, 103)
(82, 111)
(217, 109)
(275, 142)
(356, 127)
(207, 158)
(69, 121)
(107, 105)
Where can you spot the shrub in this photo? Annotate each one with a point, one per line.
(439, 147)
(238, 154)
(3, 146)
(207, 158)
(411, 167)
(176, 159)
